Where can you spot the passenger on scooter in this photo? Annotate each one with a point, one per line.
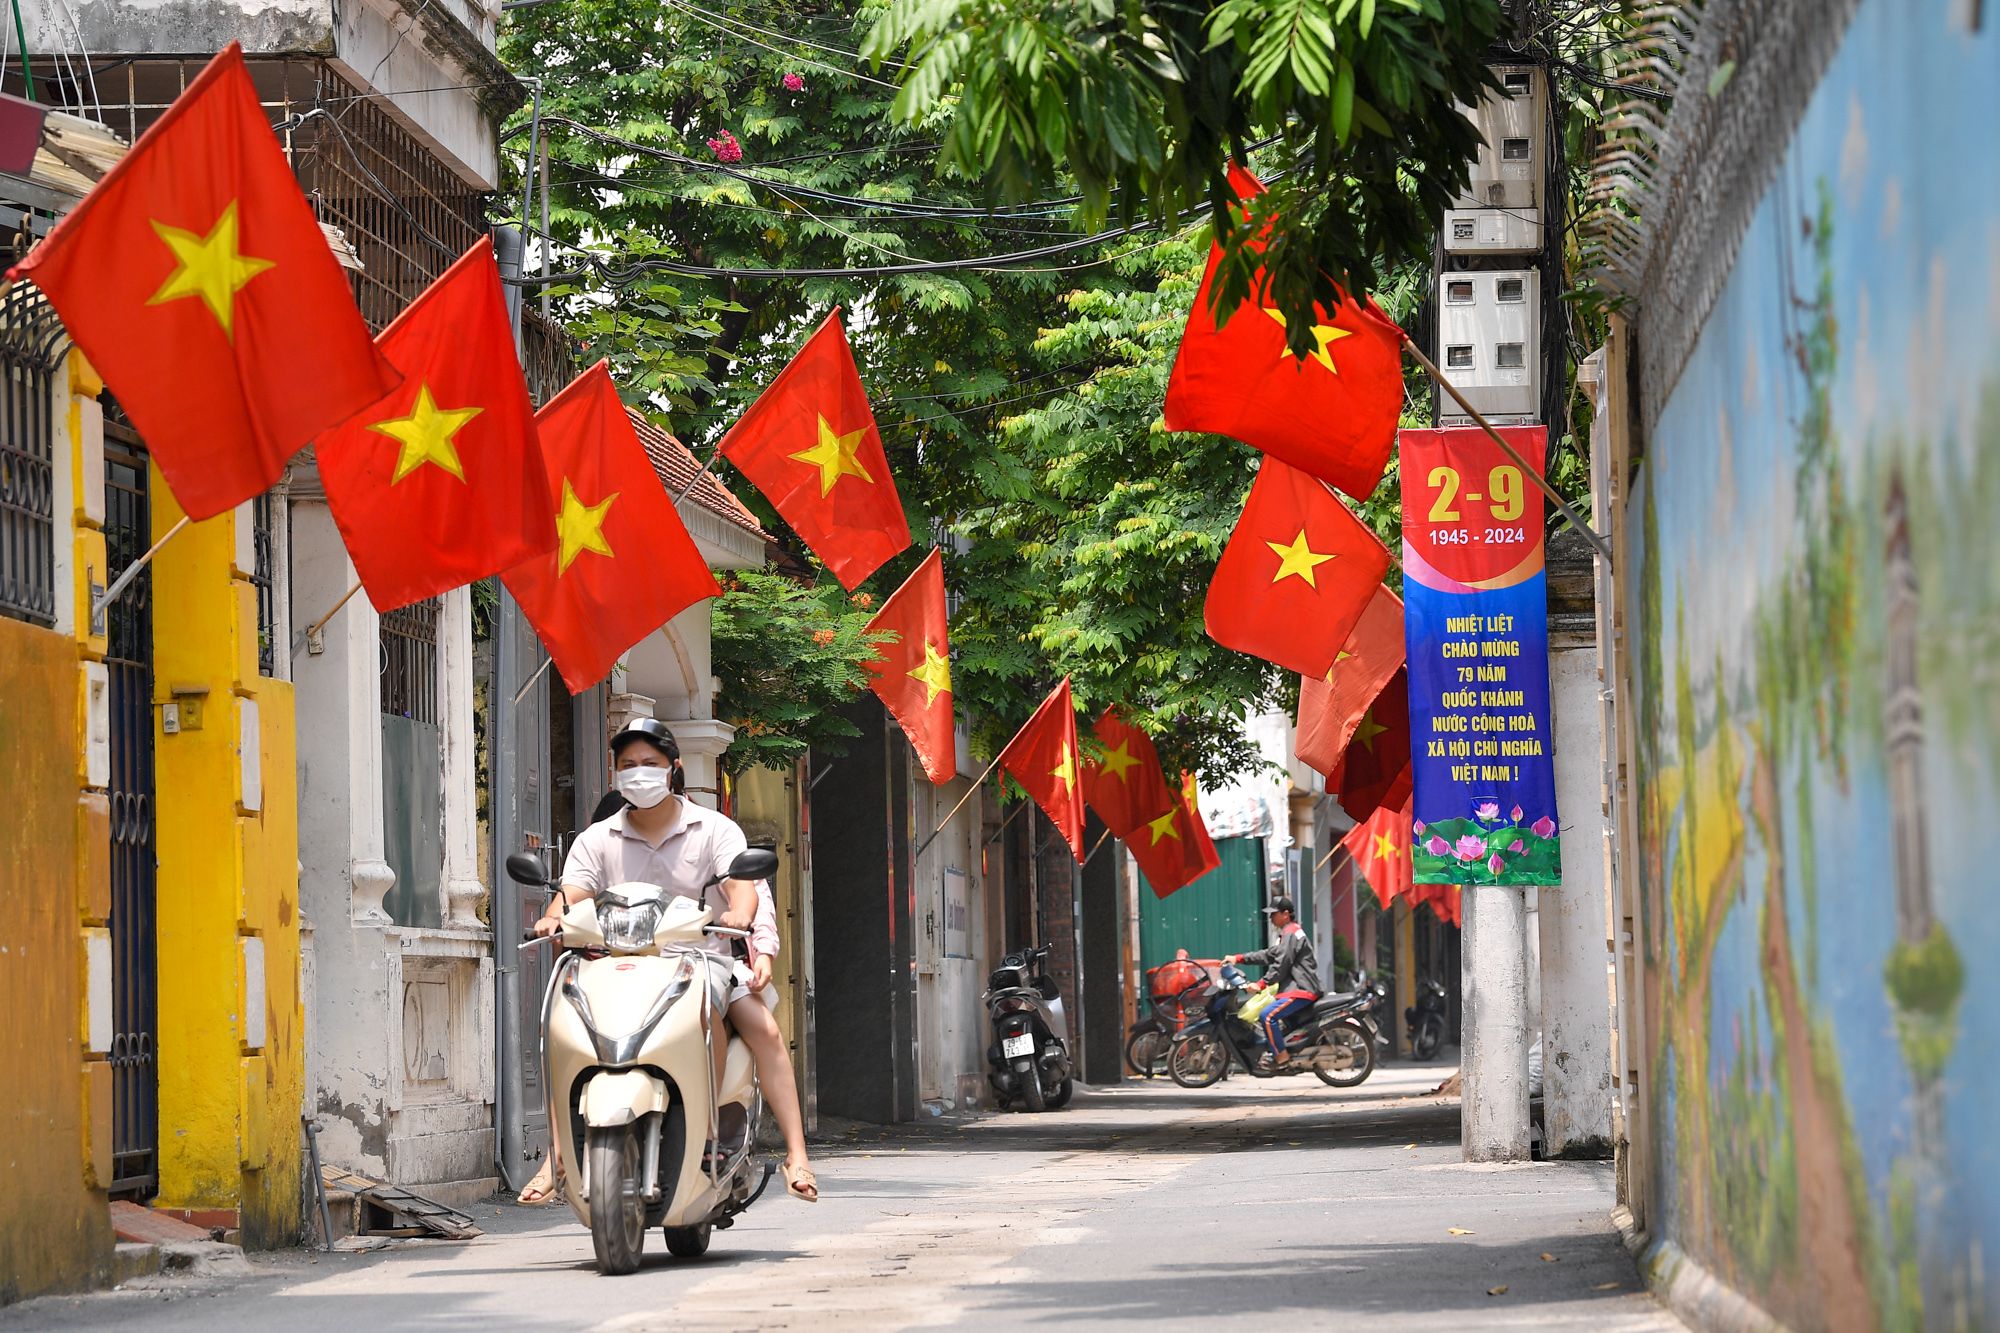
(665, 839)
(1291, 970)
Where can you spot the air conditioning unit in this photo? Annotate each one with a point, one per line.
(1493, 231)
(1490, 339)
(1513, 123)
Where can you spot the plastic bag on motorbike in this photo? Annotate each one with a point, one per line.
(1253, 1008)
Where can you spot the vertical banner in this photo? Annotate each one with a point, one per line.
(1476, 624)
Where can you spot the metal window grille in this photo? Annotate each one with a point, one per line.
(410, 662)
(550, 358)
(262, 577)
(29, 333)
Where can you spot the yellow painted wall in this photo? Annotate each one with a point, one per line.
(767, 808)
(54, 1232)
(229, 1110)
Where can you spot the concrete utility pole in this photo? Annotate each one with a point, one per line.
(1493, 1106)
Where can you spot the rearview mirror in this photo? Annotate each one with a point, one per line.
(526, 868)
(754, 863)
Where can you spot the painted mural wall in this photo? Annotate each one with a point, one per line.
(1817, 576)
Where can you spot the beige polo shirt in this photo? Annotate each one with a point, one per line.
(702, 843)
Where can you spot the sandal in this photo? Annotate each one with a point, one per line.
(800, 1182)
(544, 1187)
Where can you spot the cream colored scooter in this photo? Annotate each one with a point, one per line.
(647, 1135)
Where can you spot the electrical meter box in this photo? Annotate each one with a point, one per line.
(1513, 123)
(1493, 231)
(1490, 340)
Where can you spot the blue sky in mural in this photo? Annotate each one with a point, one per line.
(1906, 107)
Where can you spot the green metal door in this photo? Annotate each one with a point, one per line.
(1220, 913)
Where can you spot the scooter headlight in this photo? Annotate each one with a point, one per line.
(628, 927)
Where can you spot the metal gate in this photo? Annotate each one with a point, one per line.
(135, 1084)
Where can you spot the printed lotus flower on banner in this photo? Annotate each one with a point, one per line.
(1476, 850)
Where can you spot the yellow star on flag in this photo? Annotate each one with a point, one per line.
(210, 267)
(1066, 770)
(1385, 847)
(834, 456)
(1367, 729)
(1338, 658)
(1297, 558)
(580, 527)
(426, 435)
(1118, 759)
(1324, 334)
(1164, 827)
(935, 673)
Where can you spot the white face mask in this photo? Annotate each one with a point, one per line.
(644, 787)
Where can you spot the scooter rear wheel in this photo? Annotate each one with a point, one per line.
(688, 1242)
(617, 1205)
(1349, 1034)
(1429, 1036)
(1031, 1088)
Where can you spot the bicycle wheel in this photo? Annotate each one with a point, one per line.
(1146, 1052)
(1198, 1060)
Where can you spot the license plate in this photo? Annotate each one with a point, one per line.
(1021, 1045)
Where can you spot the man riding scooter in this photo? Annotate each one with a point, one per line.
(663, 838)
(1291, 971)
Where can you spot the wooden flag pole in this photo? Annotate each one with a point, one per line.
(1534, 474)
(1012, 815)
(1338, 848)
(312, 630)
(1097, 846)
(124, 580)
(695, 481)
(925, 844)
(529, 683)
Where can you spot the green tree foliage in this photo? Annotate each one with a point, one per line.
(794, 651)
(1142, 105)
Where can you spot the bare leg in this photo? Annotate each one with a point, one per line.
(753, 1023)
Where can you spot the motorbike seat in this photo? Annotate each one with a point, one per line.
(1328, 1003)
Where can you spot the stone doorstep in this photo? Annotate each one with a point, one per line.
(151, 1226)
(130, 1260)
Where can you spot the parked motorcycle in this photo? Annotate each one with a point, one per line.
(1330, 1040)
(1029, 1058)
(647, 1135)
(1426, 1019)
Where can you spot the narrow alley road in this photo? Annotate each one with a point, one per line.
(1142, 1204)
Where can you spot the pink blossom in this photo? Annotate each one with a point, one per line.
(1517, 846)
(795, 82)
(1418, 828)
(1437, 846)
(1545, 827)
(1469, 847)
(725, 148)
(1515, 815)
(1495, 864)
(1486, 811)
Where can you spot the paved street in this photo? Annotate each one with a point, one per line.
(1283, 1202)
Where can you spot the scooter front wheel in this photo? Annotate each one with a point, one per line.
(617, 1202)
(1429, 1036)
(1198, 1060)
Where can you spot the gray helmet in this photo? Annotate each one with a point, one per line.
(650, 730)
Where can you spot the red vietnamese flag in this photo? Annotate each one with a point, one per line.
(1127, 786)
(1330, 708)
(809, 443)
(912, 674)
(1333, 414)
(624, 565)
(198, 283)
(1173, 849)
(1042, 758)
(442, 482)
(1444, 900)
(1296, 576)
(1201, 845)
(1376, 771)
(1380, 846)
